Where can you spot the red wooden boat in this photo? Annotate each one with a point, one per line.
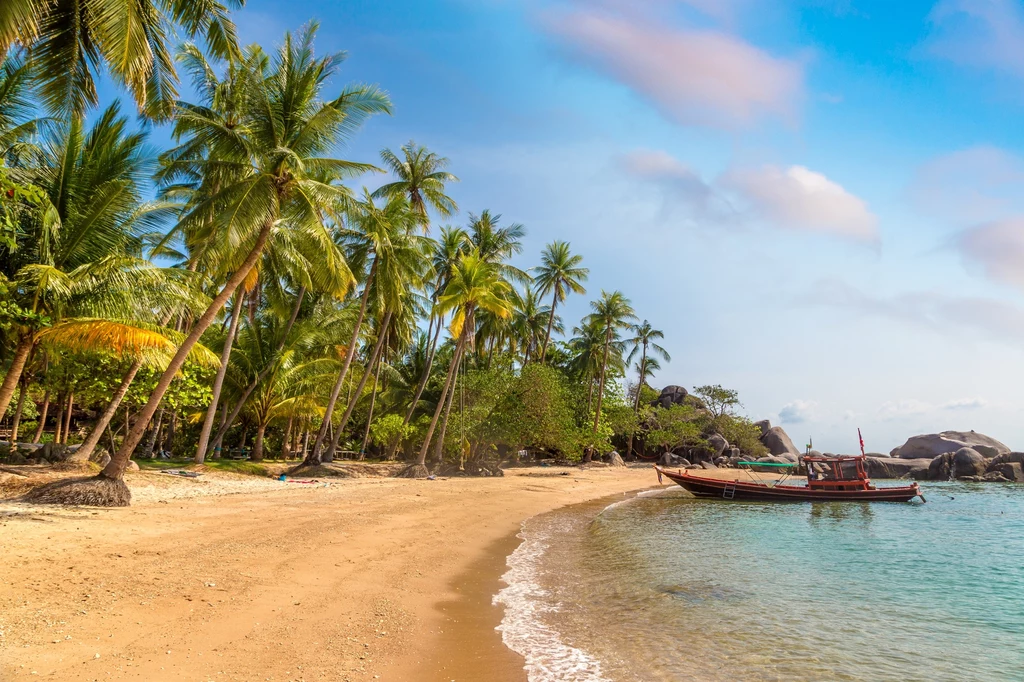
(832, 479)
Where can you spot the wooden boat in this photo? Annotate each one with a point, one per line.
(831, 479)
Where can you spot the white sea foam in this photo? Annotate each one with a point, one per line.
(548, 658)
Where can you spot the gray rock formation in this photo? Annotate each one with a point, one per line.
(671, 395)
(719, 443)
(968, 462)
(765, 427)
(891, 467)
(1010, 471)
(779, 444)
(932, 445)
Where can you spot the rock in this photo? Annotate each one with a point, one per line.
(968, 462)
(708, 465)
(671, 395)
(614, 459)
(719, 443)
(889, 467)
(735, 453)
(670, 459)
(765, 427)
(53, 452)
(1006, 458)
(1011, 471)
(132, 466)
(934, 444)
(779, 444)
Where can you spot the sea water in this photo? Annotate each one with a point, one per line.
(666, 586)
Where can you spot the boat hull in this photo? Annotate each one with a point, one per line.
(740, 490)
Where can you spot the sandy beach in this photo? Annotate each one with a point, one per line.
(241, 578)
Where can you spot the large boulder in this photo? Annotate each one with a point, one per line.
(891, 467)
(719, 443)
(968, 462)
(1011, 471)
(1006, 458)
(932, 445)
(671, 395)
(779, 444)
(765, 427)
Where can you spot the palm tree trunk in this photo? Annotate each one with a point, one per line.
(18, 360)
(67, 417)
(551, 322)
(314, 456)
(439, 447)
(419, 389)
(254, 384)
(85, 452)
(60, 419)
(459, 347)
(287, 437)
(590, 393)
(369, 419)
(218, 384)
(42, 417)
(17, 414)
(636, 402)
(257, 446)
(600, 386)
(119, 460)
(329, 455)
(147, 450)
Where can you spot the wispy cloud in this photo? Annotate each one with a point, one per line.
(694, 76)
(799, 198)
(969, 186)
(899, 409)
(997, 248)
(981, 33)
(797, 412)
(793, 198)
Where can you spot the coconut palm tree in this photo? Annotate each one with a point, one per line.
(475, 284)
(498, 244)
(69, 41)
(275, 186)
(421, 179)
(644, 342)
(612, 312)
(559, 274)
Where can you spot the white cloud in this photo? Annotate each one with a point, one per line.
(997, 248)
(970, 185)
(982, 33)
(693, 76)
(802, 199)
(797, 412)
(912, 407)
(966, 404)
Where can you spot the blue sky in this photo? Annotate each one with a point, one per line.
(818, 201)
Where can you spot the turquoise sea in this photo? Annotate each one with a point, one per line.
(664, 586)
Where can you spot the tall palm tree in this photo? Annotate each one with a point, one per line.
(612, 312)
(559, 274)
(475, 285)
(275, 184)
(644, 341)
(421, 179)
(498, 244)
(70, 40)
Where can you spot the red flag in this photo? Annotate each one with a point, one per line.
(861, 439)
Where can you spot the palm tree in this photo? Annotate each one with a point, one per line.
(644, 340)
(498, 244)
(275, 185)
(475, 285)
(421, 179)
(612, 312)
(560, 274)
(70, 40)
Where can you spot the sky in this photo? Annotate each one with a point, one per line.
(818, 201)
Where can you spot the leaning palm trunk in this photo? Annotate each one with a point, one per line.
(600, 385)
(67, 416)
(218, 384)
(393, 448)
(636, 403)
(369, 418)
(551, 322)
(21, 353)
(115, 469)
(377, 347)
(314, 456)
(85, 451)
(17, 414)
(439, 448)
(254, 384)
(456, 358)
(42, 417)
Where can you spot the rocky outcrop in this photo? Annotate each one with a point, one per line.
(779, 444)
(765, 427)
(672, 460)
(932, 445)
(891, 467)
(719, 443)
(671, 395)
(963, 462)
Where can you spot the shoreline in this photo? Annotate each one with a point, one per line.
(371, 578)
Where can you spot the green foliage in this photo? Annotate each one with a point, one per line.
(17, 202)
(677, 427)
(536, 413)
(718, 400)
(390, 429)
(741, 433)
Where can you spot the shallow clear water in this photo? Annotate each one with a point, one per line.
(669, 587)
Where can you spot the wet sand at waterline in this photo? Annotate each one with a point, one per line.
(235, 578)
